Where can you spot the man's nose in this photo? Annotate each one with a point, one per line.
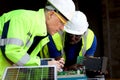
(73, 37)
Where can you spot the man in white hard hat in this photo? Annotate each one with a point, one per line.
(22, 30)
(79, 39)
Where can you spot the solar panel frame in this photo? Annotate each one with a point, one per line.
(30, 73)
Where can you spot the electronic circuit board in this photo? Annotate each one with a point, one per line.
(84, 65)
(72, 74)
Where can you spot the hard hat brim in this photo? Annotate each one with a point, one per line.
(72, 31)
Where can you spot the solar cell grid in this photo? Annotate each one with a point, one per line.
(30, 73)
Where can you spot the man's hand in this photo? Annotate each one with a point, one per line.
(62, 61)
(59, 63)
(74, 67)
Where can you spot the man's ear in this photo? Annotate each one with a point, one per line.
(50, 14)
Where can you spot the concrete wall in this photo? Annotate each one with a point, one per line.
(111, 35)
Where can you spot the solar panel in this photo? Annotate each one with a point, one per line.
(30, 73)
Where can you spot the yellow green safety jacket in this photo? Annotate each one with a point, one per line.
(87, 40)
(57, 39)
(18, 28)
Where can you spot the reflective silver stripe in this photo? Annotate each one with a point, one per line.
(11, 41)
(84, 47)
(62, 34)
(23, 60)
(85, 43)
(28, 43)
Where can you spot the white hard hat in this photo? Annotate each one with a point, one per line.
(65, 7)
(78, 24)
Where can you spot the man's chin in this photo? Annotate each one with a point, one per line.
(72, 43)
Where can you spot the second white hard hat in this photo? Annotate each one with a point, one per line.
(78, 24)
(65, 7)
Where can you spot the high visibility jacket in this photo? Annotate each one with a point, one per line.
(87, 40)
(57, 39)
(18, 29)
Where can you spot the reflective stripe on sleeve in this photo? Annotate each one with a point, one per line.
(85, 43)
(28, 43)
(23, 60)
(84, 48)
(11, 41)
